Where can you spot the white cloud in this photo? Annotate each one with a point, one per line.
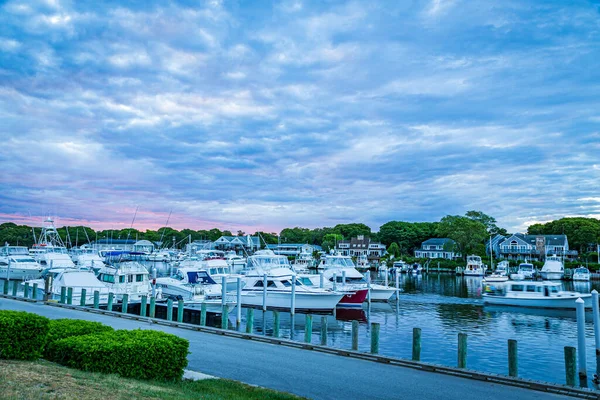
(9, 45)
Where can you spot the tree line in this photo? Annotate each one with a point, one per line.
(470, 233)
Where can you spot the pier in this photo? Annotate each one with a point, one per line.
(289, 366)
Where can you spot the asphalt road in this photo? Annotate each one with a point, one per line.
(302, 372)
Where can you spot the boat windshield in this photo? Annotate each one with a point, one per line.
(200, 277)
(270, 262)
(581, 271)
(22, 259)
(526, 267)
(339, 262)
(13, 251)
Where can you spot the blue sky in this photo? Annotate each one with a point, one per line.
(258, 115)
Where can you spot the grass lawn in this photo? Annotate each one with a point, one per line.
(45, 380)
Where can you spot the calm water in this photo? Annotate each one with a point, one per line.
(442, 306)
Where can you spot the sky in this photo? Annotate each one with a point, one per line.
(263, 115)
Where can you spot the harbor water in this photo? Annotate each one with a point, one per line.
(442, 306)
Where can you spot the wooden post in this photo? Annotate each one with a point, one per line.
(15, 286)
(152, 306)
(82, 298)
(70, 295)
(96, 299)
(124, 303)
(355, 335)
(224, 317)
(170, 310)
(203, 314)
(513, 364)
(416, 344)
(264, 299)
(276, 324)
(249, 320)
(180, 311)
(308, 328)
(47, 289)
(596, 315)
(375, 337)
(143, 305)
(323, 331)
(462, 350)
(570, 364)
(109, 305)
(5, 286)
(34, 292)
(63, 294)
(238, 313)
(26, 290)
(580, 305)
(293, 300)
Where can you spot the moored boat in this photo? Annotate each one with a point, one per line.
(553, 268)
(581, 274)
(17, 264)
(474, 266)
(533, 294)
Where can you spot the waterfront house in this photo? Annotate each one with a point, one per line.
(361, 246)
(437, 248)
(238, 243)
(532, 247)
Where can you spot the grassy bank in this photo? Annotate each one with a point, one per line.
(45, 380)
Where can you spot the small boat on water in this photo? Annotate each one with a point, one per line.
(525, 271)
(474, 266)
(581, 274)
(77, 279)
(400, 266)
(533, 294)
(553, 268)
(416, 269)
(500, 274)
(17, 264)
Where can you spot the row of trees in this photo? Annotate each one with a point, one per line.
(469, 232)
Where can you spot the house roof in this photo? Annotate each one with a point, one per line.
(551, 240)
(437, 241)
(116, 241)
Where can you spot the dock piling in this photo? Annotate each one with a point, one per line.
(324, 331)
(276, 324)
(596, 314)
(344, 277)
(580, 304)
(293, 305)
(387, 283)
(26, 290)
(369, 287)
(124, 303)
(238, 317)
(264, 299)
(249, 320)
(570, 364)
(152, 307)
(180, 307)
(70, 296)
(34, 291)
(82, 297)
(355, 335)
(5, 286)
(96, 299)
(513, 364)
(111, 298)
(462, 350)
(375, 327)
(308, 329)
(416, 344)
(15, 286)
(143, 304)
(321, 280)
(224, 317)
(334, 287)
(203, 314)
(63, 293)
(170, 310)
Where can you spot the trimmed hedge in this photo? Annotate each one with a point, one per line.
(64, 328)
(22, 335)
(140, 354)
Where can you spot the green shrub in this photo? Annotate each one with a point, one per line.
(22, 335)
(140, 354)
(64, 328)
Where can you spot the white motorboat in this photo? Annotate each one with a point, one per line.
(236, 263)
(553, 268)
(339, 265)
(91, 260)
(77, 279)
(278, 286)
(362, 262)
(416, 269)
(533, 294)
(474, 266)
(17, 264)
(195, 287)
(216, 267)
(496, 276)
(581, 274)
(503, 267)
(526, 271)
(401, 267)
(127, 276)
(304, 262)
(50, 251)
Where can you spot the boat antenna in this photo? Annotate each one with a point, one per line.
(87, 237)
(76, 236)
(32, 228)
(165, 228)
(132, 221)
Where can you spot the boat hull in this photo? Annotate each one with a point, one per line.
(551, 276)
(19, 274)
(352, 300)
(567, 302)
(282, 300)
(381, 293)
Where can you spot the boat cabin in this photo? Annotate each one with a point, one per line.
(523, 289)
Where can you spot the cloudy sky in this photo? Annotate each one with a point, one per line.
(257, 115)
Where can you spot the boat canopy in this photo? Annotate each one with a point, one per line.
(200, 277)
